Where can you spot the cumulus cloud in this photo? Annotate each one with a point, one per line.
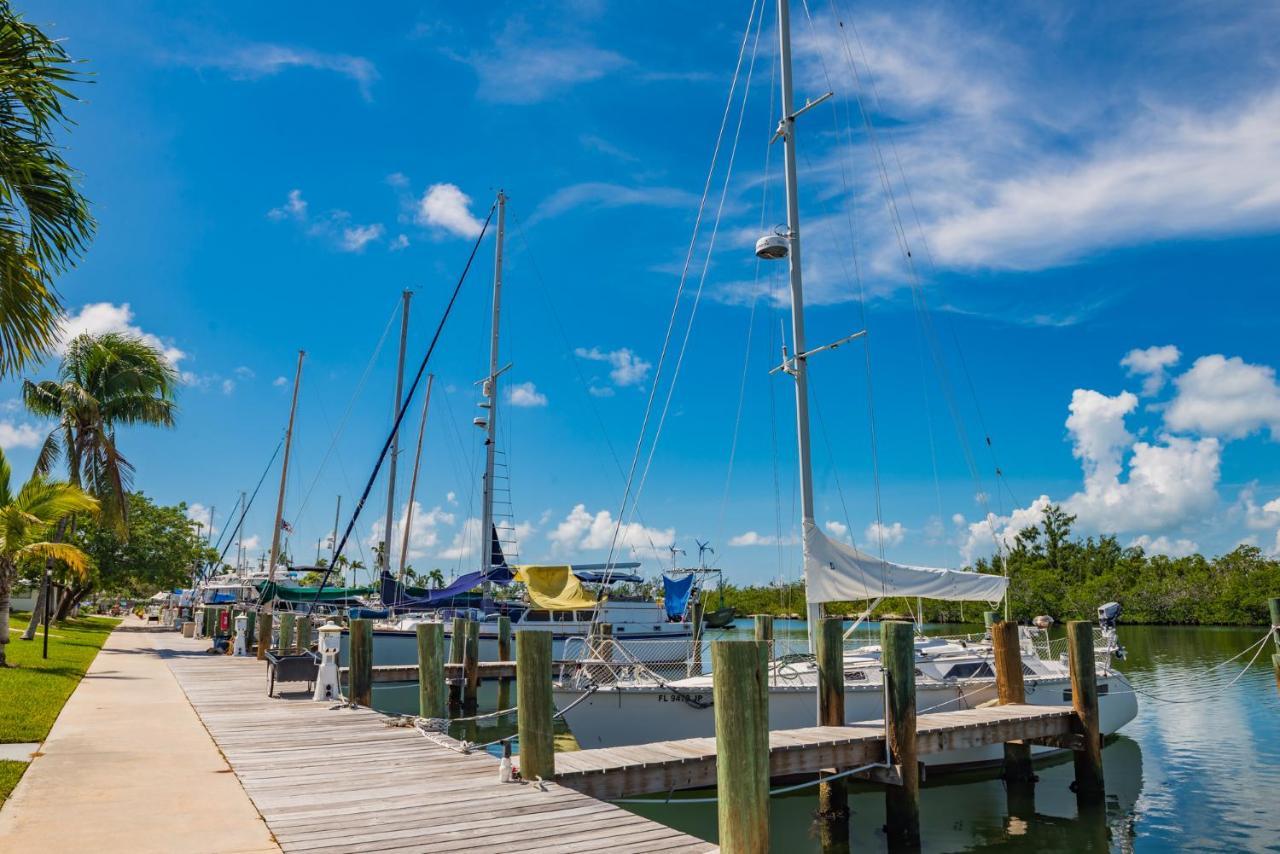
(465, 543)
(280, 382)
(626, 368)
(357, 237)
(1226, 397)
(582, 529)
(447, 208)
(1151, 364)
(525, 394)
(837, 529)
(987, 535)
(878, 534)
(754, 538)
(294, 207)
(334, 227)
(424, 534)
(1167, 546)
(201, 515)
(97, 318)
(14, 435)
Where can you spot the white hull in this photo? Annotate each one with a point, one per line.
(639, 714)
(400, 647)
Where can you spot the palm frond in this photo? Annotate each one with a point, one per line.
(76, 560)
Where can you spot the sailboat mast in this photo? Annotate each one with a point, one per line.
(333, 543)
(799, 369)
(284, 472)
(395, 437)
(240, 532)
(413, 481)
(490, 392)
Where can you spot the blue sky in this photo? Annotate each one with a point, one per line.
(1088, 193)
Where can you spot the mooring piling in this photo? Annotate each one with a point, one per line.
(431, 691)
(833, 797)
(741, 695)
(286, 633)
(304, 633)
(360, 679)
(504, 638)
(457, 651)
(534, 705)
(902, 803)
(1007, 652)
(471, 667)
(1089, 784)
(264, 636)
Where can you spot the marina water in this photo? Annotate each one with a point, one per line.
(1199, 769)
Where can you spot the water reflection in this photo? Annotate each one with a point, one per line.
(1198, 775)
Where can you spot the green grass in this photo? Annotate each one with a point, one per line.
(10, 773)
(35, 689)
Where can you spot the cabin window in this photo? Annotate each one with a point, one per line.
(564, 616)
(1103, 690)
(968, 670)
(537, 617)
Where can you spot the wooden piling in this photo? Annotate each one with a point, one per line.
(902, 803)
(360, 678)
(250, 639)
(833, 797)
(286, 633)
(264, 636)
(431, 693)
(471, 667)
(1084, 699)
(504, 638)
(1007, 652)
(304, 633)
(457, 649)
(534, 705)
(741, 695)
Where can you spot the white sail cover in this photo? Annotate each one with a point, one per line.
(835, 572)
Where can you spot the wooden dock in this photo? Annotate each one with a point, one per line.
(329, 779)
(664, 766)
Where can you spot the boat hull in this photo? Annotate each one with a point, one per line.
(613, 717)
(400, 646)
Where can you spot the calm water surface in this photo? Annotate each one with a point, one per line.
(1201, 775)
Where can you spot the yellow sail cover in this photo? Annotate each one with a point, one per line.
(554, 588)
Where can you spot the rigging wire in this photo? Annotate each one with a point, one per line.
(245, 510)
(408, 399)
(675, 307)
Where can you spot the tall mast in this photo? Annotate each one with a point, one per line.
(413, 481)
(333, 543)
(490, 392)
(799, 369)
(240, 532)
(284, 472)
(395, 437)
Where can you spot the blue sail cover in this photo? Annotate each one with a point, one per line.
(394, 594)
(676, 595)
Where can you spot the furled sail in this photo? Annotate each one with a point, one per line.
(835, 572)
(554, 588)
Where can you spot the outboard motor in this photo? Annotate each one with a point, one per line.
(1108, 619)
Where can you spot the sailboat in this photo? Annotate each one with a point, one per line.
(566, 601)
(626, 702)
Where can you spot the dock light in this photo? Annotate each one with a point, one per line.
(772, 247)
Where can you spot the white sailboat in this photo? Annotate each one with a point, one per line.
(630, 703)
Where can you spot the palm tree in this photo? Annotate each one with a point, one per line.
(25, 523)
(45, 223)
(436, 577)
(103, 381)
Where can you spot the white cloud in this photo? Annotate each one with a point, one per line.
(626, 367)
(983, 537)
(401, 242)
(446, 207)
(754, 538)
(357, 237)
(1164, 545)
(295, 208)
(1258, 518)
(228, 386)
(525, 394)
(544, 69)
(96, 318)
(424, 534)
(582, 529)
(279, 382)
(837, 529)
(398, 179)
(250, 543)
(252, 61)
(19, 436)
(466, 542)
(878, 534)
(1151, 364)
(245, 373)
(1225, 397)
(197, 512)
(1168, 483)
(451, 497)
(600, 391)
(598, 195)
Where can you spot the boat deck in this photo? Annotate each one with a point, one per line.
(330, 779)
(665, 766)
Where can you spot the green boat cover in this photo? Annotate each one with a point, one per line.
(269, 590)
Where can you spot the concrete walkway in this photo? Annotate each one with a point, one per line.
(129, 766)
